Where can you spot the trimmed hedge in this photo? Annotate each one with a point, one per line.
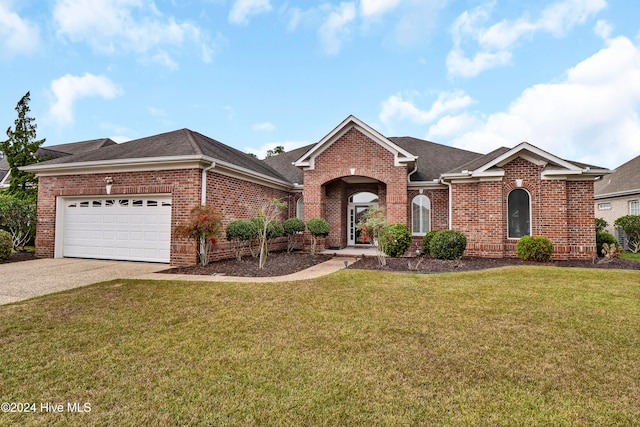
(448, 244)
(6, 245)
(537, 248)
(426, 242)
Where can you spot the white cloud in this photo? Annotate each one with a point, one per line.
(603, 29)
(68, 88)
(17, 35)
(266, 127)
(395, 107)
(113, 26)
(590, 116)
(336, 27)
(495, 41)
(242, 9)
(377, 7)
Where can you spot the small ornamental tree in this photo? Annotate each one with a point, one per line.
(203, 228)
(397, 239)
(18, 217)
(373, 223)
(239, 232)
(601, 224)
(293, 227)
(630, 224)
(318, 227)
(266, 219)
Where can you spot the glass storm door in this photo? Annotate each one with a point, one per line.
(359, 204)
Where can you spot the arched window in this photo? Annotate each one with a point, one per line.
(519, 211)
(300, 208)
(421, 215)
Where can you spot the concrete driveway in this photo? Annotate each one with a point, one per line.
(28, 279)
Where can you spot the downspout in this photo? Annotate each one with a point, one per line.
(203, 188)
(448, 184)
(203, 195)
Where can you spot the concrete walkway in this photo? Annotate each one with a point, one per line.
(28, 279)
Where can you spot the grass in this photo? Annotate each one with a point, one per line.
(631, 256)
(513, 346)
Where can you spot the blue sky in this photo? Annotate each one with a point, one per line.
(562, 75)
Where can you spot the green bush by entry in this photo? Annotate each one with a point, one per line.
(395, 239)
(448, 244)
(426, 242)
(6, 245)
(536, 248)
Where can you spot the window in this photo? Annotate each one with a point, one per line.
(364, 197)
(604, 206)
(421, 215)
(519, 211)
(634, 207)
(300, 209)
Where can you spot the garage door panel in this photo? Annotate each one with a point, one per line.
(129, 228)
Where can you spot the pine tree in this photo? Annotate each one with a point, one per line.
(20, 149)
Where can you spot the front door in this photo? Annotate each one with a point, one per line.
(357, 237)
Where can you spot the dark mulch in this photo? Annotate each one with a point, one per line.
(278, 264)
(18, 256)
(282, 263)
(432, 265)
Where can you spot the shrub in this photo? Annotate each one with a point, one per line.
(448, 244)
(18, 217)
(269, 227)
(397, 239)
(6, 245)
(240, 231)
(426, 242)
(537, 248)
(292, 228)
(601, 224)
(630, 224)
(603, 237)
(318, 227)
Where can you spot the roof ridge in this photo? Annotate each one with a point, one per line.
(192, 141)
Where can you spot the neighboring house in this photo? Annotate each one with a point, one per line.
(618, 194)
(54, 152)
(124, 201)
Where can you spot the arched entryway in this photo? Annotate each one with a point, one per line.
(344, 200)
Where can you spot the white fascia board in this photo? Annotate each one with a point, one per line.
(490, 174)
(117, 165)
(426, 185)
(618, 194)
(400, 155)
(246, 174)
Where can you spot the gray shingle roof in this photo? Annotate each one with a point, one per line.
(626, 178)
(433, 159)
(283, 163)
(182, 142)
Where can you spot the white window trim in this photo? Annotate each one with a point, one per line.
(414, 233)
(530, 213)
(636, 208)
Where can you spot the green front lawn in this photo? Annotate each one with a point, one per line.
(513, 346)
(630, 255)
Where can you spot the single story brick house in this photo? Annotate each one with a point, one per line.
(123, 201)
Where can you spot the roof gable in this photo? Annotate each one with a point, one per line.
(400, 155)
(490, 165)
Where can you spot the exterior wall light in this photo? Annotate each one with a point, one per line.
(109, 182)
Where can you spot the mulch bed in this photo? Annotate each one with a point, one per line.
(18, 256)
(432, 265)
(282, 263)
(278, 264)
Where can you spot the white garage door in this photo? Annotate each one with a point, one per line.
(134, 228)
